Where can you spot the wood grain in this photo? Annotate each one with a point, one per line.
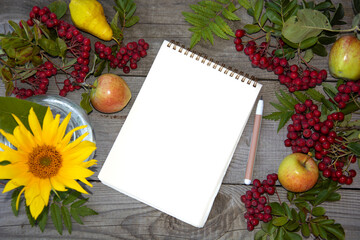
(121, 217)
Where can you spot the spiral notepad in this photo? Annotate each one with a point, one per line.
(177, 142)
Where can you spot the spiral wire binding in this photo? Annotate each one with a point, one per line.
(239, 75)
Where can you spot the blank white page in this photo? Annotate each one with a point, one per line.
(177, 142)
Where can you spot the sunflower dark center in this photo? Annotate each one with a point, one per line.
(44, 161)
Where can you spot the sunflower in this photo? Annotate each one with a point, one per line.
(44, 159)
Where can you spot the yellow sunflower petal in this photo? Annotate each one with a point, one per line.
(25, 141)
(36, 206)
(75, 172)
(10, 138)
(32, 190)
(71, 183)
(21, 180)
(24, 134)
(89, 163)
(86, 182)
(50, 127)
(64, 142)
(35, 126)
(56, 184)
(18, 198)
(61, 130)
(9, 171)
(45, 189)
(79, 153)
(12, 155)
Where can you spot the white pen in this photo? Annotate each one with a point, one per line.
(254, 140)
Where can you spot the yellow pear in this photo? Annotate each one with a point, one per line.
(88, 15)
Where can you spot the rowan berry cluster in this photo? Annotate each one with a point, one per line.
(78, 45)
(131, 53)
(347, 92)
(256, 201)
(307, 133)
(263, 56)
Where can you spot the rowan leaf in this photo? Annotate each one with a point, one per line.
(307, 23)
(56, 217)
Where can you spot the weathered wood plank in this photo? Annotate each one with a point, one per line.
(121, 217)
(124, 218)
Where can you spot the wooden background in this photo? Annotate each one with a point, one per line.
(121, 217)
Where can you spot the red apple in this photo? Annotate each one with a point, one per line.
(110, 93)
(344, 58)
(298, 172)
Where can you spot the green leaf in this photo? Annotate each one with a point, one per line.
(319, 50)
(29, 216)
(356, 6)
(314, 229)
(79, 203)
(354, 147)
(245, 3)
(305, 230)
(217, 30)
(20, 108)
(303, 206)
(279, 107)
(284, 119)
(66, 218)
(292, 236)
(338, 15)
(251, 28)
(318, 211)
(14, 198)
(27, 30)
(274, 16)
(327, 40)
(290, 196)
(85, 211)
(115, 27)
(287, 210)
(62, 47)
(314, 94)
(100, 68)
(308, 42)
(356, 21)
(17, 29)
(42, 219)
(56, 217)
(280, 221)
(307, 23)
(280, 234)
(133, 20)
(85, 102)
(49, 46)
(216, 7)
(274, 116)
(58, 7)
(73, 195)
(336, 230)
(195, 38)
(276, 209)
(258, 9)
(224, 26)
(206, 12)
(259, 235)
(75, 215)
(229, 15)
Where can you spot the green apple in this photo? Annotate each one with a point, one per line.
(344, 58)
(298, 172)
(110, 93)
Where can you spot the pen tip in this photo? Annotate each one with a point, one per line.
(261, 97)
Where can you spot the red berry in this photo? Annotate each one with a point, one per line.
(239, 33)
